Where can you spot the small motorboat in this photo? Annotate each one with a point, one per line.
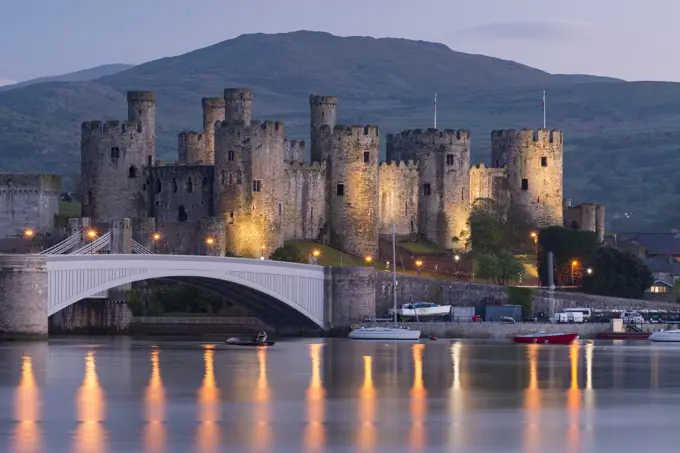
(421, 310)
(384, 333)
(259, 340)
(668, 336)
(623, 335)
(546, 338)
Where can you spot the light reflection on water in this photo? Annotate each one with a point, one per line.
(326, 395)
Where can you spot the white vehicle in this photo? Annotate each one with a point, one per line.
(586, 312)
(632, 317)
(572, 317)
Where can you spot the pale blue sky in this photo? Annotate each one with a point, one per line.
(632, 39)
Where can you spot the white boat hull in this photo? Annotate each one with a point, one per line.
(384, 333)
(669, 336)
(422, 313)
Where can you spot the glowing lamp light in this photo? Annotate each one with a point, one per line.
(534, 235)
(91, 234)
(316, 253)
(29, 233)
(457, 257)
(369, 259)
(156, 236)
(210, 241)
(590, 271)
(419, 263)
(574, 263)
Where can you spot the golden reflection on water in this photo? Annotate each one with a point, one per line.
(456, 399)
(532, 404)
(262, 429)
(574, 401)
(589, 393)
(27, 436)
(314, 436)
(367, 432)
(154, 402)
(90, 435)
(208, 433)
(418, 396)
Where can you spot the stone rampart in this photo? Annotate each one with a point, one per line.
(23, 296)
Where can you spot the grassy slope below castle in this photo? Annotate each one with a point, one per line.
(621, 138)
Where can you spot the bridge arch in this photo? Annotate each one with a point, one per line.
(274, 291)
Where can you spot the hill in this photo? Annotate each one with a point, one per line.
(78, 76)
(621, 145)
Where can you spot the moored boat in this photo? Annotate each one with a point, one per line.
(421, 310)
(546, 338)
(259, 340)
(623, 335)
(384, 333)
(666, 336)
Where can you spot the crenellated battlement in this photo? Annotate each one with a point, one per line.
(314, 167)
(402, 165)
(141, 96)
(480, 166)
(527, 135)
(238, 94)
(191, 136)
(359, 131)
(212, 103)
(316, 100)
(111, 127)
(432, 136)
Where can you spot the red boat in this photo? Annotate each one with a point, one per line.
(547, 338)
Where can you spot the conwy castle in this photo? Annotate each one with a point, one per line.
(249, 188)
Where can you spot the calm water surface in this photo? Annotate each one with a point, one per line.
(121, 396)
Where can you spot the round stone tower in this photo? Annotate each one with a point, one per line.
(23, 296)
(534, 161)
(352, 182)
(249, 189)
(213, 111)
(142, 109)
(443, 158)
(323, 112)
(112, 159)
(238, 104)
(192, 149)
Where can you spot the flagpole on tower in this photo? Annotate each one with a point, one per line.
(435, 110)
(544, 124)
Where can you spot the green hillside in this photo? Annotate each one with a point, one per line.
(621, 142)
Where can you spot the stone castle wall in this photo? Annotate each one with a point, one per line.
(444, 171)
(28, 201)
(180, 193)
(191, 147)
(323, 111)
(295, 150)
(489, 183)
(586, 216)
(534, 163)
(304, 200)
(398, 197)
(353, 183)
(213, 112)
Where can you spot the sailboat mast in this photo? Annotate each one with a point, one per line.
(394, 272)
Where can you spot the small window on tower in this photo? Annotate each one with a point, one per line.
(544, 161)
(427, 191)
(257, 185)
(189, 186)
(449, 159)
(341, 190)
(132, 172)
(525, 184)
(367, 157)
(174, 186)
(230, 156)
(159, 186)
(115, 153)
(280, 209)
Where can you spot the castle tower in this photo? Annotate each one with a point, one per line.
(323, 112)
(112, 159)
(443, 158)
(249, 187)
(213, 111)
(352, 183)
(191, 148)
(238, 105)
(534, 163)
(599, 222)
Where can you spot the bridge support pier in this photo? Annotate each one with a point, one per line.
(23, 296)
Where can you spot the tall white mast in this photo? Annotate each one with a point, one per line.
(435, 110)
(544, 124)
(394, 272)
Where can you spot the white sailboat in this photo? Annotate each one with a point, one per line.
(666, 336)
(387, 333)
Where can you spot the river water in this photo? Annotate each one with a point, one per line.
(121, 395)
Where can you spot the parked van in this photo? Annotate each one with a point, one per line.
(586, 312)
(572, 317)
(632, 317)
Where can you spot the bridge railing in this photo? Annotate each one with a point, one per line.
(196, 320)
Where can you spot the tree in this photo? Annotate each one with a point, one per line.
(617, 274)
(676, 289)
(502, 268)
(523, 297)
(493, 228)
(288, 252)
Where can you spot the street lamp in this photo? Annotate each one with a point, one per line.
(590, 271)
(369, 259)
(419, 265)
(534, 236)
(456, 258)
(91, 234)
(574, 263)
(262, 254)
(316, 253)
(156, 237)
(29, 233)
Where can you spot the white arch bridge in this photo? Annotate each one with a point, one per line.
(276, 292)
